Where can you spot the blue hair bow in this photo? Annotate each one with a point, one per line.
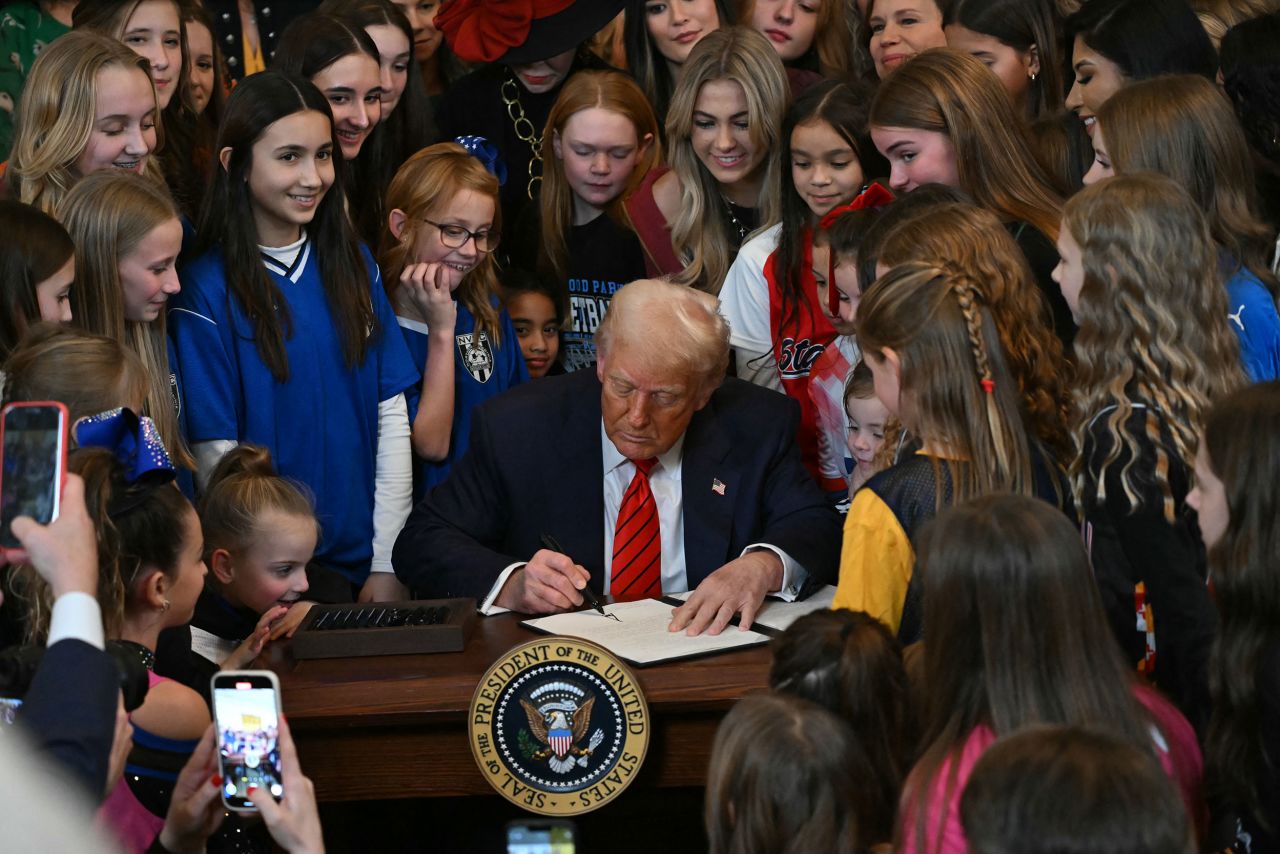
(133, 439)
(487, 153)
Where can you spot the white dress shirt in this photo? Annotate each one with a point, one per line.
(668, 494)
(76, 616)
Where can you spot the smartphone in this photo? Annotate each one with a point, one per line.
(9, 707)
(246, 712)
(540, 837)
(33, 464)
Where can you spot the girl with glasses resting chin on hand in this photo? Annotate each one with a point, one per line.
(437, 254)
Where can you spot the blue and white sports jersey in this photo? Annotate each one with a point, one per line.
(481, 371)
(321, 426)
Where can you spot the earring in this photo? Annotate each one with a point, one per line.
(1033, 76)
(165, 606)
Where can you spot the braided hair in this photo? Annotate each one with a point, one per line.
(957, 393)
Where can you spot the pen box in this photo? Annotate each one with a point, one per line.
(385, 628)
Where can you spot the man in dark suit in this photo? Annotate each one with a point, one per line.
(656, 475)
(72, 709)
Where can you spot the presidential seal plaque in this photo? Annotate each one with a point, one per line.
(559, 726)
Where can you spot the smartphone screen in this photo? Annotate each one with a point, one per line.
(9, 707)
(246, 711)
(535, 837)
(33, 456)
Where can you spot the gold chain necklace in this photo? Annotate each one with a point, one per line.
(525, 131)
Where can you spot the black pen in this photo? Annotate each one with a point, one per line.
(553, 544)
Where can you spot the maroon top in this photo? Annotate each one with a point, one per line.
(651, 227)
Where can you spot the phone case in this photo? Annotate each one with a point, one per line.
(229, 676)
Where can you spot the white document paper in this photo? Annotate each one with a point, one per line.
(640, 633)
(776, 614)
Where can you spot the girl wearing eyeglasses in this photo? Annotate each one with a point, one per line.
(437, 256)
(284, 334)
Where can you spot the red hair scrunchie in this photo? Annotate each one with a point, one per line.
(875, 196)
(484, 30)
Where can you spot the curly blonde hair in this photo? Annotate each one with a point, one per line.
(1153, 323)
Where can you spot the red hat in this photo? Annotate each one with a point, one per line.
(521, 31)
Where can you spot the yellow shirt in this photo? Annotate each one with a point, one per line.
(876, 561)
(252, 58)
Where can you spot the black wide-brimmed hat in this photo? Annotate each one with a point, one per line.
(516, 32)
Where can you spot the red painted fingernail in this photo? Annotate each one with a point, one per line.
(252, 789)
(216, 779)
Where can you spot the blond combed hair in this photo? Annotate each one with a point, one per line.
(666, 326)
(974, 240)
(422, 187)
(1218, 16)
(56, 113)
(957, 393)
(1153, 323)
(951, 93)
(606, 90)
(242, 489)
(698, 234)
(108, 214)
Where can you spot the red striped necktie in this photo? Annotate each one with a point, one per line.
(637, 541)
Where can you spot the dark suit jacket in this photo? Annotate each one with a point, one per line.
(534, 466)
(70, 710)
(273, 17)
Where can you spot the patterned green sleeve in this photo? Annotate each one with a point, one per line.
(24, 32)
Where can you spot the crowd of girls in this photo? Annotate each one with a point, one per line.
(1015, 261)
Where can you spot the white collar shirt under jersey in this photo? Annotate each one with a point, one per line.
(668, 493)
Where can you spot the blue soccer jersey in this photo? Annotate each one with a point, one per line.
(481, 370)
(321, 425)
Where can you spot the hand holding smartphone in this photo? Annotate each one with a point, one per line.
(533, 836)
(246, 712)
(33, 464)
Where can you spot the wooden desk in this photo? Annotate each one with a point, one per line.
(395, 726)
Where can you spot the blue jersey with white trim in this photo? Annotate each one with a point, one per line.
(321, 425)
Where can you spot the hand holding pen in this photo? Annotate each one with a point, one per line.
(550, 583)
(587, 593)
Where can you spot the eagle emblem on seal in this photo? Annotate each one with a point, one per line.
(559, 716)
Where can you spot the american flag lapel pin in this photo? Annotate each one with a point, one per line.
(717, 486)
